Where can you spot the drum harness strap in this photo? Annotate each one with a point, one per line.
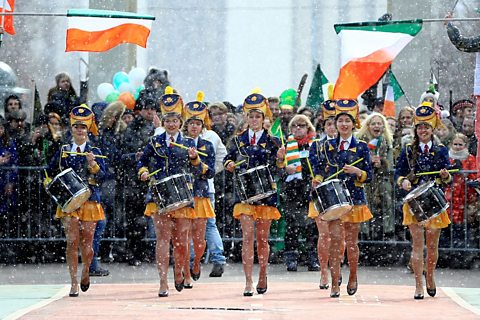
(240, 152)
(158, 153)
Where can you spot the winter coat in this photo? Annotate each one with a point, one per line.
(455, 193)
(465, 44)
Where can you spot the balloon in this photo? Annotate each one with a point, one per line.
(137, 92)
(136, 77)
(113, 96)
(128, 99)
(125, 87)
(119, 78)
(104, 89)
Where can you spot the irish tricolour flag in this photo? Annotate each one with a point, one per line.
(101, 30)
(367, 50)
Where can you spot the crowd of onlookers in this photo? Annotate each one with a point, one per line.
(26, 147)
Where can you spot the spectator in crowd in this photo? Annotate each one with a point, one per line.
(128, 116)
(306, 111)
(8, 181)
(12, 103)
(446, 132)
(455, 193)
(294, 192)
(379, 105)
(135, 138)
(404, 119)
(461, 109)
(45, 141)
(376, 132)
(218, 112)
(468, 129)
(318, 122)
(273, 103)
(392, 124)
(63, 96)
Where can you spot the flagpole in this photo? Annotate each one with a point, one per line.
(452, 19)
(3, 22)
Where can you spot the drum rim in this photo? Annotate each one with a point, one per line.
(62, 173)
(263, 196)
(255, 169)
(338, 206)
(176, 206)
(81, 191)
(329, 181)
(177, 175)
(410, 195)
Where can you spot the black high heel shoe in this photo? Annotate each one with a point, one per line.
(324, 286)
(74, 293)
(195, 276)
(262, 290)
(418, 296)
(84, 287)
(179, 286)
(163, 294)
(352, 291)
(248, 293)
(335, 294)
(431, 292)
(188, 285)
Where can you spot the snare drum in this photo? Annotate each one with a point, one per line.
(426, 201)
(255, 184)
(173, 193)
(332, 199)
(68, 190)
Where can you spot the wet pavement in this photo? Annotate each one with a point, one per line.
(41, 292)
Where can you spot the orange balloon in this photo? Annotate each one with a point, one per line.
(128, 99)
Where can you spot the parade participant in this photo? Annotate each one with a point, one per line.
(257, 148)
(79, 225)
(163, 155)
(332, 231)
(295, 191)
(336, 155)
(423, 155)
(196, 119)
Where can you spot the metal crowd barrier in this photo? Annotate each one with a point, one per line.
(27, 216)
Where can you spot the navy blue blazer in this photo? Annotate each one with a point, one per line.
(326, 160)
(61, 161)
(263, 153)
(436, 159)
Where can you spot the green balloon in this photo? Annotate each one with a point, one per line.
(113, 96)
(137, 92)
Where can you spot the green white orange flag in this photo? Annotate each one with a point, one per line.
(100, 30)
(367, 50)
(7, 21)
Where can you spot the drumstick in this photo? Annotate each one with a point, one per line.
(46, 173)
(435, 172)
(153, 173)
(310, 168)
(84, 154)
(186, 148)
(239, 163)
(341, 170)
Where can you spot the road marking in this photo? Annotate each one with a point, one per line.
(450, 292)
(57, 296)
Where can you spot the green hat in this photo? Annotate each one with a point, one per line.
(287, 99)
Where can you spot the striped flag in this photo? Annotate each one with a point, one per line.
(7, 24)
(389, 102)
(101, 30)
(368, 49)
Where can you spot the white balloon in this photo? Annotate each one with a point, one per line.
(104, 89)
(125, 87)
(136, 77)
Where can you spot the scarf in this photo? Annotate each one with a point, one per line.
(293, 154)
(458, 155)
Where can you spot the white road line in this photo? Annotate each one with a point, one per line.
(450, 292)
(60, 294)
